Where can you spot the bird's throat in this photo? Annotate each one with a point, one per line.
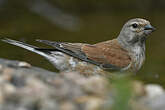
(136, 50)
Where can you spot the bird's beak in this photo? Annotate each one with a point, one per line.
(149, 27)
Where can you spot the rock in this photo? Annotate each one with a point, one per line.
(154, 90)
(155, 97)
(24, 64)
(24, 87)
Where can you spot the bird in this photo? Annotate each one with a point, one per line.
(124, 53)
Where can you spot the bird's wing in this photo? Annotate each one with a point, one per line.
(105, 54)
(109, 52)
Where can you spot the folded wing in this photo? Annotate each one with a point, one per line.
(108, 55)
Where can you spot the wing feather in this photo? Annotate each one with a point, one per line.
(108, 55)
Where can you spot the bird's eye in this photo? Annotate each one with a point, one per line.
(134, 25)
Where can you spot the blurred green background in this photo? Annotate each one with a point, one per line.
(89, 21)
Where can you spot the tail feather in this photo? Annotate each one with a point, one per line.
(26, 46)
(54, 56)
(17, 43)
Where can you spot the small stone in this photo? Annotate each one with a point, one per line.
(67, 106)
(7, 74)
(48, 104)
(138, 88)
(95, 85)
(9, 89)
(154, 90)
(94, 103)
(24, 64)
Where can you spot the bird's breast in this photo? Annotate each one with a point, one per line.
(138, 57)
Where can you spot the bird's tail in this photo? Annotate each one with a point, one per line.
(26, 46)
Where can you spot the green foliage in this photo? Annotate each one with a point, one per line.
(123, 93)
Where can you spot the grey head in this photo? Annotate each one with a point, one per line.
(135, 31)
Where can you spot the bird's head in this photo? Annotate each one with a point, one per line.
(135, 30)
